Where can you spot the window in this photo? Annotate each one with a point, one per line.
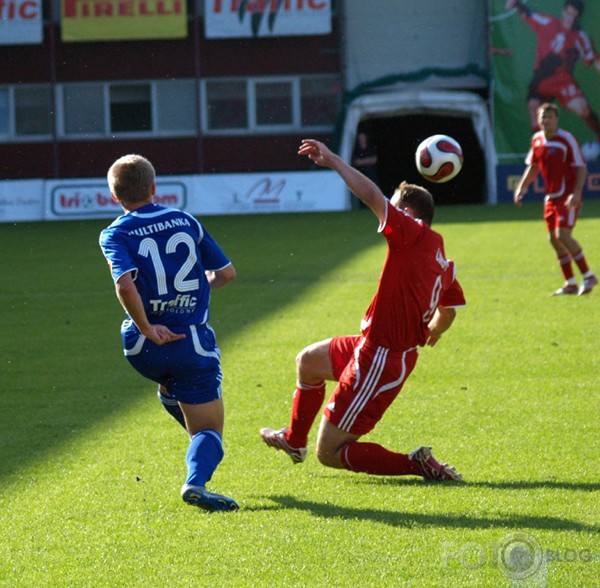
(226, 105)
(4, 112)
(130, 108)
(34, 110)
(83, 107)
(165, 108)
(176, 107)
(320, 100)
(273, 103)
(254, 105)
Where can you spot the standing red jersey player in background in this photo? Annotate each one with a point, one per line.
(560, 44)
(555, 153)
(413, 306)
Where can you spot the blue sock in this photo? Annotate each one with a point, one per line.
(172, 407)
(203, 456)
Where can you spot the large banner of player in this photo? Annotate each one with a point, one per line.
(545, 51)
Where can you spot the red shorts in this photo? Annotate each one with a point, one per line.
(556, 214)
(369, 379)
(559, 87)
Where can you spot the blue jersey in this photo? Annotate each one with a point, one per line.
(167, 251)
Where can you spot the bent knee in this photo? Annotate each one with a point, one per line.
(313, 364)
(327, 459)
(330, 457)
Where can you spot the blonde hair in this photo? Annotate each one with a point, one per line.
(131, 178)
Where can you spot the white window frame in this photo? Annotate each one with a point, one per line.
(10, 107)
(11, 135)
(107, 132)
(201, 126)
(253, 127)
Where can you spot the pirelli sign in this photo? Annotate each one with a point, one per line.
(108, 20)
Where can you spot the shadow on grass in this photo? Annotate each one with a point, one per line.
(62, 363)
(63, 369)
(500, 485)
(397, 518)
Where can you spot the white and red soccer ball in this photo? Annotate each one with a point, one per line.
(439, 158)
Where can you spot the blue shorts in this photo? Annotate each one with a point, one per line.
(190, 368)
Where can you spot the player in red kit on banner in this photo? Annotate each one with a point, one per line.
(555, 154)
(414, 305)
(560, 44)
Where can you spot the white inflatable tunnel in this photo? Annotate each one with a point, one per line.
(422, 102)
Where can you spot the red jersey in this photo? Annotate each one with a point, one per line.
(415, 279)
(558, 48)
(557, 159)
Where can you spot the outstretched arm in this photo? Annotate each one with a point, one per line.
(130, 300)
(522, 9)
(361, 186)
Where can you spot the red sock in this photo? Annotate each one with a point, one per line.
(579, 259)
(371, 458)
(565, 266)
(305, 407)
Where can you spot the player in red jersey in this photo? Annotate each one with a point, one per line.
(555, 153)
(414, 305)
(560, 44)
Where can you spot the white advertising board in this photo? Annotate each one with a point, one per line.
(90, 198)
(268, 193)
(21, 200)
(212, 194)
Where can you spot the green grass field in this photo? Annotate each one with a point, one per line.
(91, 466)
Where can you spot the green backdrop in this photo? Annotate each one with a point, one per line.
(512, 55)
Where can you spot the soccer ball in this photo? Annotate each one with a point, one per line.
(439, 158)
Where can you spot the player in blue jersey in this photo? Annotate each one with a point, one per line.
(164, 265)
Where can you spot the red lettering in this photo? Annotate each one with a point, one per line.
(29, 10)
(70, 8)
(594, 182)
(126, 9)
(7, 10)
(260, 6)
(98, 8)
(103, 200)
(70, 201)
(103, 9)
(166, 199)
(160, 9)
(26, 10)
